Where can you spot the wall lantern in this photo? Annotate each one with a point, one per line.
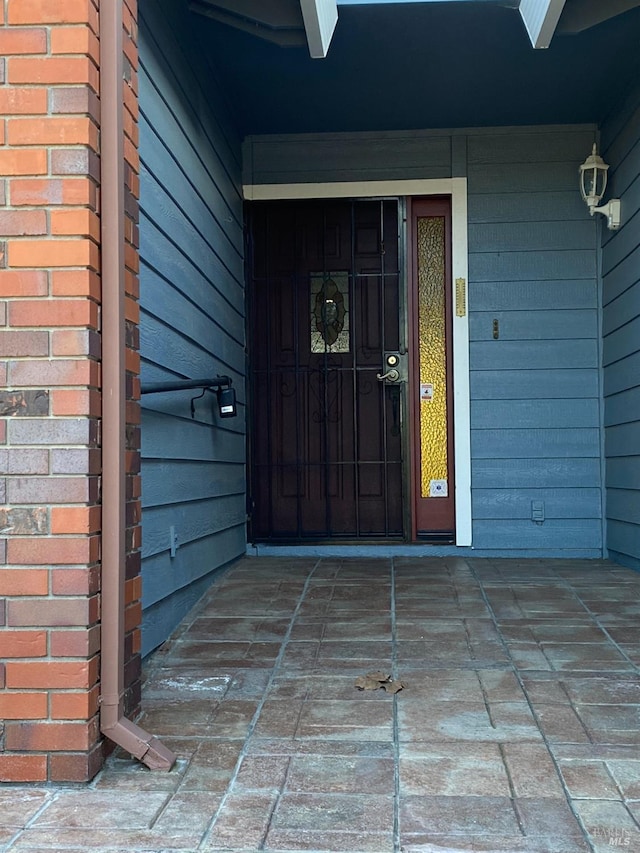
(593, 182)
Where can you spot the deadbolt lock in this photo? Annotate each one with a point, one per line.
(394, 368)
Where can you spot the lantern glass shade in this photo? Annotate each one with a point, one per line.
(593, 178)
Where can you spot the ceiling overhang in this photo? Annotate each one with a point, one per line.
(580, 15)
(542, 18)
(288, 23)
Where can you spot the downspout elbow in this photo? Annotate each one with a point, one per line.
(136, 741)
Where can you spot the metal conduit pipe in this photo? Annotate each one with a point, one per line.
(145, 747)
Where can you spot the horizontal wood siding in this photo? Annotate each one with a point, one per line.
(536, 395)
(346, 157)
(535, 411)
(621, 335)
(192, 320)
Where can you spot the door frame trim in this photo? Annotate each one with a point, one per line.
(456, 188)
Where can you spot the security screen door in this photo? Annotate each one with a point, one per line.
(325, 319)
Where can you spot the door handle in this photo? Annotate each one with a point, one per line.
(390, 376)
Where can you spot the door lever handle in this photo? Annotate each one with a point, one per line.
(390, 376)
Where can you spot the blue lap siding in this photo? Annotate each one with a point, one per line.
(621, 335)
(533, 268)
(192, 321)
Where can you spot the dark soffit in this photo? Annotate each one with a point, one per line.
(434, 65)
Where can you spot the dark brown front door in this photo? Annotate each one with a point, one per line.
(325, 313)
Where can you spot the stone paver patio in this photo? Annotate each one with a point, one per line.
(518, 728)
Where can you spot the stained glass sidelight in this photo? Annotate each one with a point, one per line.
(433, 368)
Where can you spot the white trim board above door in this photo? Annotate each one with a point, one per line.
(456, 188)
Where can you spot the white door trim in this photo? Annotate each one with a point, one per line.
(456, 188)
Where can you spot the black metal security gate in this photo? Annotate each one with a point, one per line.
(324, 319)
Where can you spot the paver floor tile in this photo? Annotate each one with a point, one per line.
(612, 690)
(328, 813)
(127, 774)
(315, 747)
(466, 816)
(278, 751)
(464, 721)
(442, 685)
(242, 822)
(279, 718)
(212, 765)
(589, 779)
(229, 653)
(500, 686)
(102, 809)
(19, 806)
(625, 634)
(167, 684)
(185, 718)
(576, 630)
(340, 775)
(608, 825)
(626, 775)
(545, 688)
(611, 723)
(319, 841)
(594, 657)
(250, 628)
(532, 771)
(349, 720)
(262, 773)
(131, 839)
(429, 843)
(336, 685)
(615, 613)
(547, 817)
(433, 769)
(526, 656)
(194, 809)
(560, 724)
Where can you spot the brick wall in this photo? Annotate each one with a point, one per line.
(50, 370)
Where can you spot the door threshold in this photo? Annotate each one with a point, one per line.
(378, 549)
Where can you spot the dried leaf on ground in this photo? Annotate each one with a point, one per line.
(393, 686)
(379, 676)
(376, 680)
(365, 682)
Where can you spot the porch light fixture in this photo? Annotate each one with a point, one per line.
(593, 183)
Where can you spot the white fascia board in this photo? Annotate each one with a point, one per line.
(320, 18)
(541, 19)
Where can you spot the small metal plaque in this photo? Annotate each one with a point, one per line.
(461, 297)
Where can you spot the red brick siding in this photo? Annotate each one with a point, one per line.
(50, 366)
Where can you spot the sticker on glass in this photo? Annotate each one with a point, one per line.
(438, 489)
(426, 391)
